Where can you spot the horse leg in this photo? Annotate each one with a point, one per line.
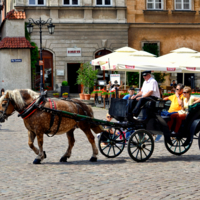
(71, 141)
(31, 138)
(91, 139)
(41, 154)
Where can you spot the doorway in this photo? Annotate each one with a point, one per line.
(47, 72)
(102, 75)
(72, 76)
(189, 79)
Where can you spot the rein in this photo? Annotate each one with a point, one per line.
(8, 100)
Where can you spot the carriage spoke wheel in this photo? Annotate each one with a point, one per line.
(111, 143)
(177, 148)
(140, 145)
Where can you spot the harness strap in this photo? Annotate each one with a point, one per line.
(53, 106)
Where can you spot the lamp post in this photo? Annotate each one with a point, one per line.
(51, 28)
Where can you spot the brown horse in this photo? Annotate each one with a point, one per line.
(38, 122)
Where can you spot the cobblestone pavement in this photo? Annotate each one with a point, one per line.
(163, 176)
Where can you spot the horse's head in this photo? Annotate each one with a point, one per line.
(6, 107)
(15, 100)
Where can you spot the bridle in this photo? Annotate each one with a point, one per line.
(3, 112)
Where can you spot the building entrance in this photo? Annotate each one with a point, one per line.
(72, 76)
(189, 79)
(47, 72)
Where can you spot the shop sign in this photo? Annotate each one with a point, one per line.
(73, 51)
(115, 77)
(16, 60)
(129, 67)
(60, 72)
(171, 69)
(191, 68)
(41, 62)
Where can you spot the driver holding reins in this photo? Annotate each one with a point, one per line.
(149, 91)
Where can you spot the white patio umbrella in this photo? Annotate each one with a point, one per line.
(131, 62)
(192, 64)
(116, 54)
(178, 57)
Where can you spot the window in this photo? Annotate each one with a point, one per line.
(155, 4)
(182, 4)
(151, 47)
(103, 2)
(37, 2)
(71, 2)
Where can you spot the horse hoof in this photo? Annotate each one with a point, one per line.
(45, 155)
(93, 159)
(63, 159)
(37, 161)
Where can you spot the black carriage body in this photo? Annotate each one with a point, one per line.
(149, 116)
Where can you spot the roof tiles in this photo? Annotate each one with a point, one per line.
(15, 43)
(13, 14)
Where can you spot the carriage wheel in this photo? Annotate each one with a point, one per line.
(140, 145)
(177, 148)
(112, 144)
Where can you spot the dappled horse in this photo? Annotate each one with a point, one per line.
(39, 122)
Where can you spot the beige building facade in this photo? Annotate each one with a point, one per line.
(170, 24)
(84, 29)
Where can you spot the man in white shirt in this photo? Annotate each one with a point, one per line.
(149, 89)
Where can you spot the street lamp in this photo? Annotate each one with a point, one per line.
(51, 28)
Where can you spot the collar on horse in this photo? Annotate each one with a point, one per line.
(28, 111)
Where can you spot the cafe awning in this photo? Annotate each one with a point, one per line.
(118, 53)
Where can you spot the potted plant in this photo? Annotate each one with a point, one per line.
(122, 95)
(105, 95)
(65, 88)
(94, 94)
(99, 93)
(65, 95)
(112, 94)
(56, 95)
(86, 77)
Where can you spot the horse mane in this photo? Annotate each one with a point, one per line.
(16, 96)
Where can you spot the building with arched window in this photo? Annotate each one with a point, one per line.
(84, 29)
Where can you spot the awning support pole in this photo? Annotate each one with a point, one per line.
(139, 79)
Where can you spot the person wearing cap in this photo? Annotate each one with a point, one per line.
(149, 90)
(131, 93)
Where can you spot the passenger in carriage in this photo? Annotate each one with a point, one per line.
(149, 90)
(181, 114)
(176, 101)
(131, 93)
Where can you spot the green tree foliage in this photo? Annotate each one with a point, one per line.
(34, 53)
(86, 76)
(153, 48)
(27, 35)
(133, 78)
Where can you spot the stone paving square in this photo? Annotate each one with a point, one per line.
(163, 176)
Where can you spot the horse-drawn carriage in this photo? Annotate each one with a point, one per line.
(46, 116)
(150, 122)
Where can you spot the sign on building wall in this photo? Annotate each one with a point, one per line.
(16, 60)
(60, 72)
(73, 51)
(115, 77)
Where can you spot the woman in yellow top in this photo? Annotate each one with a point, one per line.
(181, 115)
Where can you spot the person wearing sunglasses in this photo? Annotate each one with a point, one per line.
(149, 91)
(176, 101)
(181, 114)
